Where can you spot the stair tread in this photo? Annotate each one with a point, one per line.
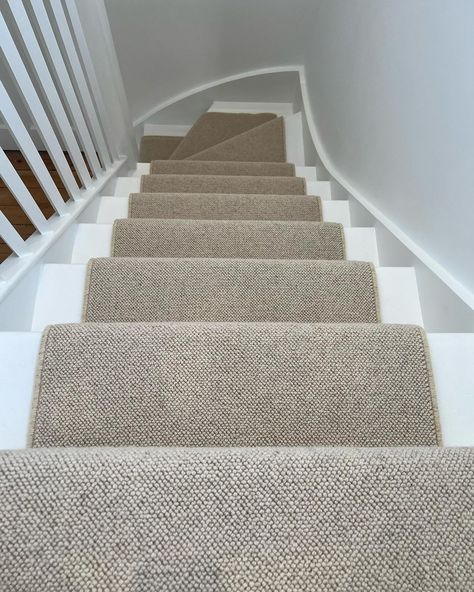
(155, 147)
(210, 167)
(233, 384)
(265, 143)
(213, 128)
(222, 184)
(258, 239)
(225, 206)
(230, 290)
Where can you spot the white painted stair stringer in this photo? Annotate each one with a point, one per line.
(450, 354)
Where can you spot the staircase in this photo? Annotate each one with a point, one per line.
(222, 389)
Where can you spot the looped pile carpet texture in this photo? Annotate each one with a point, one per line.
(258, 290)
(237, 519)
(232, 384)
(246, 239)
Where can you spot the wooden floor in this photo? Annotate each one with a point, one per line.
(12, 210)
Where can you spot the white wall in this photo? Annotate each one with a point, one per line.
(390, 84)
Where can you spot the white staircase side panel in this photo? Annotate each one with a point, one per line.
(336, 211)
(18, 362)
(361, 244)
(111, 208)
(143, 168)
(94, 240)
(126, 185)
(59, 295)
(451, 356)
(159, 129)
(283, 109)
(398, 295)
(308, 172)
(294, 139)
(320, 188)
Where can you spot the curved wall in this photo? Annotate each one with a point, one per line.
(390, 85)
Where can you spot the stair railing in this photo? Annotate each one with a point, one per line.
(48, 61)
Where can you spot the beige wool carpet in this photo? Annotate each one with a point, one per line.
(241, 519)
(264, 143)
(148, 289)
(157, 147)
(244, 239)
(222, 184)
(225, 206)
(212, 167)
(232, 384)
(213, 128)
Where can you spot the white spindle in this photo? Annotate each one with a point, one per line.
(10, 235)
(28, 148)
(91, 75)
(23, 197)
(64, 82)
(35, 107)
(45, 79)
(63, 27)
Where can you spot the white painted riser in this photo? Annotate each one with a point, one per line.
(450, 355)
(112, 208)
(61, 288)
(94, 240)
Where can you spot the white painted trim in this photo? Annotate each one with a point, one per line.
(207, 85)
(157, 129)
(282, 109)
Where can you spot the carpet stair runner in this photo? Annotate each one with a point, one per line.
(234, 384)
(130, 289)
(157, 147)
(252, 239)
(280, 437)
(225, 206)
(212, 129)
(196, 167)
(223, 184)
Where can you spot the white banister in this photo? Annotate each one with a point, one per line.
(37, 111)
(91, 75)
(28, 148)
(79, 117)
(63, 27)
(64, 82)
(24, 198)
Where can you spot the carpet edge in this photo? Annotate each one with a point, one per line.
(432, 386)
(35, 399)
